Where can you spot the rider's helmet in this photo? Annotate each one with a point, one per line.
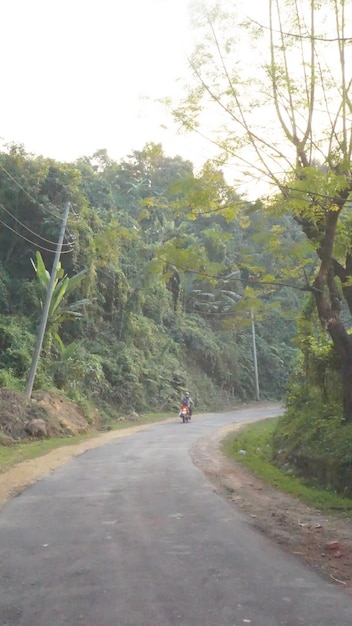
(187, 394)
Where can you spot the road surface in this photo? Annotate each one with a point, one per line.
(133, 534)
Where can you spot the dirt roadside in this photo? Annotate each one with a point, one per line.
(323, 541)
(26, 473)
(301, 530)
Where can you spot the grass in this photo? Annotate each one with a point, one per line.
(255, 440)
(11, 455)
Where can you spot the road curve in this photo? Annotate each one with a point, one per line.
(133, 534)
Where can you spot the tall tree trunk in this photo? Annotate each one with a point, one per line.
(347, 387)
(329, 309)
(342, 342)
(343, 345)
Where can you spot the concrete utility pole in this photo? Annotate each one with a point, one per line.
(257, 395)
(45, 312)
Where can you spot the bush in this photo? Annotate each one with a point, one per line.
(312, 439)
(317, 446)
(16, 345)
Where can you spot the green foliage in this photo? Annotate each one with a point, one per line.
(303, 150)
(4, 294)
(142, 371)
(167, 257)
(313, 439)
(63, 286)
(257, 441)
(16, 345)
(10, 380)
(317, 445)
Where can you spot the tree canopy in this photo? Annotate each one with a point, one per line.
(284, 117)
(160, 261)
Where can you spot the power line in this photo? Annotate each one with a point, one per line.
(46, 307)
(29, 230)
(36, 245)
(27, 192)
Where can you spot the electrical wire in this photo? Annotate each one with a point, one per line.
(36, 245)
(31, 231)
(27, 192)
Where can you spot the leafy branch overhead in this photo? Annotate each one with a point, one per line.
(283, 118)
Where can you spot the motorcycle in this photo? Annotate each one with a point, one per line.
(184, 414)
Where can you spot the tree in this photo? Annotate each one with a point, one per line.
(286, 119)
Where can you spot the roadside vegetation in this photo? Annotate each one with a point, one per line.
(154, 294)
(253, 447)
(164, 267)
(303, 152)
(25, 450)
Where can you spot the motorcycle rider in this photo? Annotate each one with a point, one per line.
(188, 402)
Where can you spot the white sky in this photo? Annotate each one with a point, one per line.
(81, 75)
(77, 74)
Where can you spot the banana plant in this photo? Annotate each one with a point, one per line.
(66, 368)
(66, 352)
(63, 286)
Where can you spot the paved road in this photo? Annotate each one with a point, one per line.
(132, 534)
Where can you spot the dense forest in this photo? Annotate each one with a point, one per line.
(161, 269)
(283, 118)
(169, 277)
(162, 273)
